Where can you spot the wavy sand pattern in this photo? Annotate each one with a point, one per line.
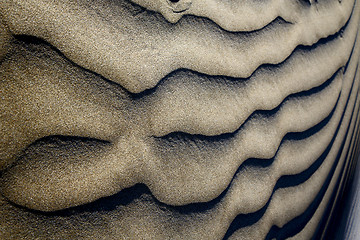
(162, 119)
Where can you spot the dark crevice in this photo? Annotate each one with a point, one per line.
(36, 40)
(175, 137)
(297, 224)
(31, 42)
(261, 163)
(123, 198)
(300, 49)
(333, 209)
(289, 180)
(333, 223)
(244, 220)
(352, 50)
(307, 3)
(128, 195)
(234, 81)
(63, 141)
(271, 25)
(61, 145)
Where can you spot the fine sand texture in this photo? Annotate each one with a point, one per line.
(176, 119)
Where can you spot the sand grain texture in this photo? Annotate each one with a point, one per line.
(189, 119)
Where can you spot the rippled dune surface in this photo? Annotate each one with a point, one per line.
(189, 119)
